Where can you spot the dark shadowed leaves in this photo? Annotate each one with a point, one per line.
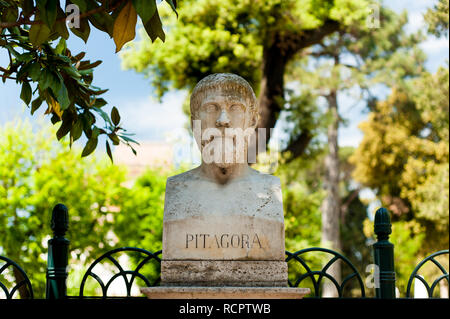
(26, 93)
(154, 28)
(115, 117)
(108, 151)
(145, 9)
(39, 33)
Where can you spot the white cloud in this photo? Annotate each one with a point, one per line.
(435, 45)
(151, 120)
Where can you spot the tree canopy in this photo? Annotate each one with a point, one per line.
(36, 173)
(253, 38)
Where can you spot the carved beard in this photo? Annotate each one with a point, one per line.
(226, 146)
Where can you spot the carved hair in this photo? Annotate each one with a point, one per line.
(225, 82)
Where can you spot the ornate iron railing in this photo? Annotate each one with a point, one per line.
(297, 256)
(148, 256)
(59, 250)
(17, 271)
(415, 275)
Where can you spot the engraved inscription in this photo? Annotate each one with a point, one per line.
(212, 241)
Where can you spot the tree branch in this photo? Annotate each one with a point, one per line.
(299, 41)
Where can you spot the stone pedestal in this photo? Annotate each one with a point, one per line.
(225, 292)
(254, 273)
(223, 225)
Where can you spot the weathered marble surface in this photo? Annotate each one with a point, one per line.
(223, 221)
(253, 273)
(224, 292)
(241, 220)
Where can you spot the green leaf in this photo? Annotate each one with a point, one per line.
(125, 26)
(100, 102)
(82, 4)
(34, 71)
(26, 57)
(23, 72)
(173, 5)
(128, 139)
(11, 14)
(90, 146)
(36, 104)
(86, 66)
(26, 93)
(39, 33)
(154, 28)
(49, 13)
(27, 7)
(145, 9)
(103, 114)
(49, 79)
(55, 119)
(63, 97)
(95, 132)
(76, 130)
(83, 31)
(114, 138)
(108, 151)
(70, 70)
(115, 117)
(65, 127)
(61, 47)
(61, 28)
(103, 22)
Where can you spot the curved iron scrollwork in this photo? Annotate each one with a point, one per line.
(148, 256)
(20, 274)
(415, 275)
(323, 272)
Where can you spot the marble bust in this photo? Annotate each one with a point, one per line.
(223, 221)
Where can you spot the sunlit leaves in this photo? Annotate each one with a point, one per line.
(125, 26)
(404, 153)
(36, 173)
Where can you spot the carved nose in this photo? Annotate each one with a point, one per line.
(223, 119)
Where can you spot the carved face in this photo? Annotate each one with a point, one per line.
(226, 121)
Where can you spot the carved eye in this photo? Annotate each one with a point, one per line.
(235, 108)
(211, 108)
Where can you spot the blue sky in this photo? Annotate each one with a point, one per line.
(154, 121)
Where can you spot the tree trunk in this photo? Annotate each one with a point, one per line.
(331, 204)
(278, 50)
(271, 91)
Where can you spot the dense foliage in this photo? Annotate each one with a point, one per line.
(34, 33)
(36, 173)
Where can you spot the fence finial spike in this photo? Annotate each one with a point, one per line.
(382, 224)
(60, 220)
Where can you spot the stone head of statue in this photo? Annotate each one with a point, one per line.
(224, 114)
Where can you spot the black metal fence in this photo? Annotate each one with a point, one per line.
(58, 252)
